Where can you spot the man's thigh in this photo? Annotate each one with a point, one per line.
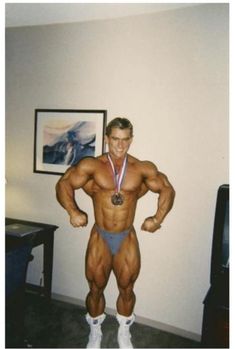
(98, 261)
(126, 263)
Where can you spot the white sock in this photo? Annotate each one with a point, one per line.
(95, 335)
(124, 336)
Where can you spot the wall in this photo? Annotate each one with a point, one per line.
(168, 73)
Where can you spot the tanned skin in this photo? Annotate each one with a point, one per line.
(95, 177)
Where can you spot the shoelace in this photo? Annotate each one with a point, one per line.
(125, 332)
(95, 333)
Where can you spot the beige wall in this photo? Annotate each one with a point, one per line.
(168, 73)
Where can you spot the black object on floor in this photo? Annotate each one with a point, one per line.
(56, 324)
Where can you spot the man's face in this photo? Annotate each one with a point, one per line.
(119, 142)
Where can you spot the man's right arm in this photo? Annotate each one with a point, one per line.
(74, 178)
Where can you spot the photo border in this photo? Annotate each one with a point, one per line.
(100, 116)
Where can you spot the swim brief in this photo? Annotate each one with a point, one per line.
(113, 240)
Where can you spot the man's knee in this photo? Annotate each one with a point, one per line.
(127, 293)
(96, 291)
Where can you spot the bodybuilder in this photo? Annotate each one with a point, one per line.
(114, 181)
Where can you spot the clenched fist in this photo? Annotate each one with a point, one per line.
(78, 219)
(151, 224)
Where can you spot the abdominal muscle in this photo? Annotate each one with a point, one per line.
(114, 218)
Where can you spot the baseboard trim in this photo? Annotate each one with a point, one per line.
(139, 319)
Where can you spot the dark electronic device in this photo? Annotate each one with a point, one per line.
(215, 328)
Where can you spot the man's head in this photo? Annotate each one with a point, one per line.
(121, 123)
(119, 135)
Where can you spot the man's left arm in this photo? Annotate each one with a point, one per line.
(158, 182)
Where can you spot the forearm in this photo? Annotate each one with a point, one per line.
(65, 196)
(165, 203)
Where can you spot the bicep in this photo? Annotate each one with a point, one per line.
(156, 181)
(77, 176)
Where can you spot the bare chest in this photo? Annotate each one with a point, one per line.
(104, 180)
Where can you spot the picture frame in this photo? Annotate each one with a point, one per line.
(62, 137)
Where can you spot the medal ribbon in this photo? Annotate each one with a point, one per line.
(118, 177)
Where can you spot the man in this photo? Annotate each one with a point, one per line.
(114, 181)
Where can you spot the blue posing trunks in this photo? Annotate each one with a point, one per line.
(113, 240)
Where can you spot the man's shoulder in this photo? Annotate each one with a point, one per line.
(101, 157)
(87, 163)
(87, 160)
(132, 160)
(93, 161)
(141, 163)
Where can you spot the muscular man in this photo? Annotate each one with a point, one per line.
(114, 181)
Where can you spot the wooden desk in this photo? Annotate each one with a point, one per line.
(45, 237)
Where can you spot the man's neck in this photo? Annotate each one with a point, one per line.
(117, 161)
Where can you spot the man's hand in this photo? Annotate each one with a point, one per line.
(78, 219)
(150, 224)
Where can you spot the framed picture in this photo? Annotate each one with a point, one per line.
(63, 137)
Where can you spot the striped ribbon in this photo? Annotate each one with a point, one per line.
(118, 177)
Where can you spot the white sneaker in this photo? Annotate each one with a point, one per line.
(95, 335)
(124, 336)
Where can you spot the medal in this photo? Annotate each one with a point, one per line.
(117, 198)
